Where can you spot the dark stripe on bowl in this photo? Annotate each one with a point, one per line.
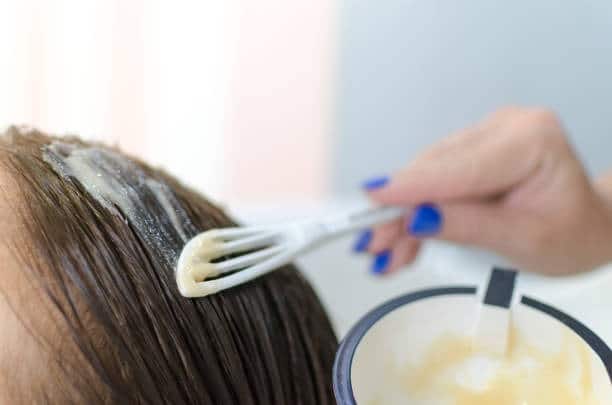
(343, 389)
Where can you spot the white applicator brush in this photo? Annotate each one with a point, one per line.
(258, 250)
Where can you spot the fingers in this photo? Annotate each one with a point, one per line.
(403, 252)
(501, 185)
(384, 236)
(469, 171)
(391, 239)
(482, 224)
(390, 246)
(481, 162)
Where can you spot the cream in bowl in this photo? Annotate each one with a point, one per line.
(420, 349)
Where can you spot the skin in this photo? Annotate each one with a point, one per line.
(17, 345)
(513, 184)
(26, 366)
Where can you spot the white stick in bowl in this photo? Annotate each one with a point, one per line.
(492, 329)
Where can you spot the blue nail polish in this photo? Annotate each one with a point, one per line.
(362, 242)
(426, 221)
(375, 183)
(381, 261)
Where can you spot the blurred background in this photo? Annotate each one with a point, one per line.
(281, 108)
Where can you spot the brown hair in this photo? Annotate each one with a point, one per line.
(137, 339)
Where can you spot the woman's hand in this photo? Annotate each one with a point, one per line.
(511, 184)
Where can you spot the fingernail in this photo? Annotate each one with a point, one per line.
(375, 183)
(381, 261)
(426, 221)
(362, 241)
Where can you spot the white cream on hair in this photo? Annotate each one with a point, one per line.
(122, 187)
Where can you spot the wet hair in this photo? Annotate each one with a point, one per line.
(135, 338)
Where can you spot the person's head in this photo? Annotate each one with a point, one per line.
(89, 308)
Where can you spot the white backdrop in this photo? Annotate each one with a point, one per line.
(232, 96)
(411, 71)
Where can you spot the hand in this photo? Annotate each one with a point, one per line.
(511, 184)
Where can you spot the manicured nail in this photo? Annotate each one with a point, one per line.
(375, 183)
(381, 261)
(426, 221)
(362, 241)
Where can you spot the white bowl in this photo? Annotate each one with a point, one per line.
(402, 330)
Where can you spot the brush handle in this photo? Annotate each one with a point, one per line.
(361, 219)
(492, 328)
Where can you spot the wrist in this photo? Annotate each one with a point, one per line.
(605, 199)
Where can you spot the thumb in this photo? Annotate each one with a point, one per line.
(486, 225)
